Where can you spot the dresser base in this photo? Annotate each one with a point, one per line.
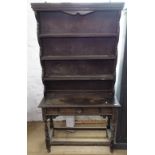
(49, 132)
(50, 110)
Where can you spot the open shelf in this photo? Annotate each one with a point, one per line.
(79, 57)
(78, 35)
(79, 100)
(81, 77)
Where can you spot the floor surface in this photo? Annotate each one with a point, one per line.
(36, 144)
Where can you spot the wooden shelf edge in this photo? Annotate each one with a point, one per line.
(82, 77)
(78, 35)
(79, 57)
(80, 91)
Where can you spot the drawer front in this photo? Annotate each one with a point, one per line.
(52, 111)
(78, 67)
(61, 22)
(78, 46)
(79, 111)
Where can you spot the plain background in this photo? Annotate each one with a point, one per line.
(13, 82)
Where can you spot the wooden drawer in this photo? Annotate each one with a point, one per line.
(78, 67)
(78, 46)
(79, 111)
(52, 111)
(77, 22)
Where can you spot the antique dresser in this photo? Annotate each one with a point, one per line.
(78, 55)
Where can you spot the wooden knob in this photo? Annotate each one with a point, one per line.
(79, 111)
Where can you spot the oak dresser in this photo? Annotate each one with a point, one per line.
(78, 55)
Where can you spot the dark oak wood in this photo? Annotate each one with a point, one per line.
(76, 6)
(79, 143)
(79, 57)
(80, 68)
(79, 85)
(80, 128)
(73, 46)
(51, 35)
(47, 137)
(87, 100)
(78, 53)
(81, 77)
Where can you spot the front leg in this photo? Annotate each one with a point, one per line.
(47, 136)
(113, 128)
(51, 123)
(108, 123)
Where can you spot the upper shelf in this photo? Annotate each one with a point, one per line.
(78, 35)
(79, 57)
(81, 77)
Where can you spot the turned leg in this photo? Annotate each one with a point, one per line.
(108, 123)
(112, 138)
(113, 128)
(47, 136)
(52, 126)
(51, 123)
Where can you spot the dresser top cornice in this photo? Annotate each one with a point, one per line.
(76, 6)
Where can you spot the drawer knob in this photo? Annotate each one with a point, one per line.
(79, 111)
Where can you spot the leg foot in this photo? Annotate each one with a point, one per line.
(113, 128)
(112, 146)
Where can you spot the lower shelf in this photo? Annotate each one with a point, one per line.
(73, 140)
(80, 140)
(80, 128)
(79, 143)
